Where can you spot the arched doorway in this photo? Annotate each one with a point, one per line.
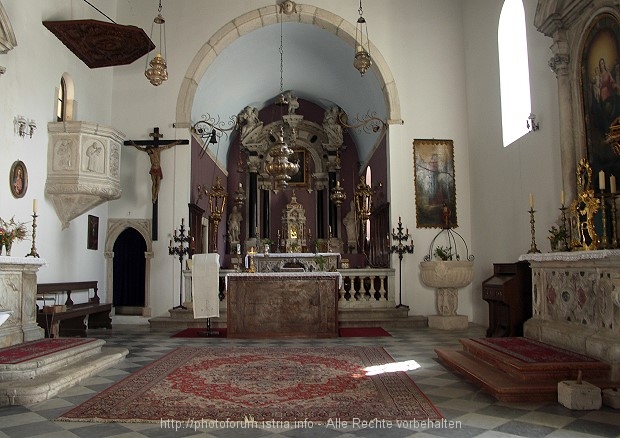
(128, 248)
(128, 266)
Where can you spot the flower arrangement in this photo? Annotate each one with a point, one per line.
(557, 237)
(11, 231)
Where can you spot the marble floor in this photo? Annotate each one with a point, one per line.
(473, 412)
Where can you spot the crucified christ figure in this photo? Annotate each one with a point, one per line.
(154, 153)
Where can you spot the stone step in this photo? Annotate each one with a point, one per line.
(519, 369)
(45, 364)
(44, 386)
(494, 381)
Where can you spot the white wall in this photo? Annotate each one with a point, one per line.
(442, 54)
(503, 177)
(33, 71)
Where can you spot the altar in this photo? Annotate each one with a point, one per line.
(576, 303)
(291, 262)
(285, 304)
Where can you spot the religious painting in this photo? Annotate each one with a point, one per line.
(18, 179)
(300, 179)
(600, 76)
(93, 232)
(435, 190)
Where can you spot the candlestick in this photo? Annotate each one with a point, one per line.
(531, 200)
(33, 250)
(564, 246)
(181, 250)
(604, 242)
(34, 205)
(614, 226)
(601, 180)
(401, 249)
(562, 198)
(612, 184)
(533, 248)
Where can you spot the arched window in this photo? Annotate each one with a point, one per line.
(65, 104)
(61, 102)
(516, 105)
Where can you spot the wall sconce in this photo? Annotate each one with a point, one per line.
(24, 126)
(531, 122)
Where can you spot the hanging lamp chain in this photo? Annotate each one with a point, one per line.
(281, 57)
(159, 8)
(360, 10)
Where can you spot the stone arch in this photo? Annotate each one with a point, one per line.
(266, 16)
(115, 228)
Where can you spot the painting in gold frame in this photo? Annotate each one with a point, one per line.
(435, 188)
(18, 179)
(600, 81)
(300, 179)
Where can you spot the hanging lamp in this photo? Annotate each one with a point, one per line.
(156, 70)
(362, 60)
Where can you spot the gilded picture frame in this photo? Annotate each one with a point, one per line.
(300, 179)
(434, 181)
(600, 79)
(18, 179)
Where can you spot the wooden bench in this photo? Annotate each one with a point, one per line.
(71, 320)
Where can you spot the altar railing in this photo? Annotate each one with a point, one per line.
(365, 288)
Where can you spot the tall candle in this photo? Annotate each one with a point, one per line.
(562, 197)
(601, 180)
(531, 200)
(612, 184)
(34, 205)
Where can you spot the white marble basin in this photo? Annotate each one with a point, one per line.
(447, 274)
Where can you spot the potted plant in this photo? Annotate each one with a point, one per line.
(320, 261)
(557, 238)
(443, 253)
(10, 232)
(267, 245)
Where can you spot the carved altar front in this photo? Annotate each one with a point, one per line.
(576, 303)
(282, 305)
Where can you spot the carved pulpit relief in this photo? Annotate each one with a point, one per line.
(293, 226)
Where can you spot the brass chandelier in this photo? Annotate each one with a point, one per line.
(362, 60)
(280, 168)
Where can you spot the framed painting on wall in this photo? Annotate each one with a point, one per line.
(18, 179)
(93, 232)
(600, 81)
(435, 190)
(300, 179)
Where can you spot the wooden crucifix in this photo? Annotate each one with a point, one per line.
(153, 148)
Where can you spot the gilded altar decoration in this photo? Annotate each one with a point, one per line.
(583, 209)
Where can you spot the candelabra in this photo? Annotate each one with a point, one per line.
(180, 250)
(401, 249)
(33, 251)
(533, 248)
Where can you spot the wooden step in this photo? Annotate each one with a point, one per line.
(520, 369)
(496, 382)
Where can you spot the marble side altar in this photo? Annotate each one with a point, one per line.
(283, 304)
(306, 261)
(576, 303)
(18, 295)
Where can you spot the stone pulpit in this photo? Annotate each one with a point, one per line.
(293, 226)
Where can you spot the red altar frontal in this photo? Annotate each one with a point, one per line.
(282, 304)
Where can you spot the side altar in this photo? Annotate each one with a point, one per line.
(576, 303)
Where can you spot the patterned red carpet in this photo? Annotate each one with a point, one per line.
(531, 351)
(265, 384)
(347, 332)
(35, 349)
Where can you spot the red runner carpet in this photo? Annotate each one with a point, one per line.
(352, 332)
(532, 351)
(263, 384)
(34, 349)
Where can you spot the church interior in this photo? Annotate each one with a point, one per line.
(169, 161)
